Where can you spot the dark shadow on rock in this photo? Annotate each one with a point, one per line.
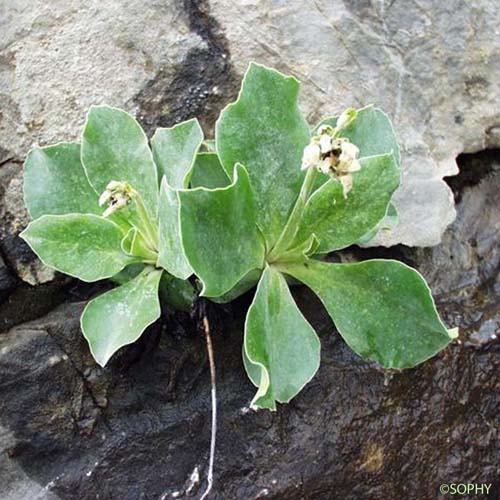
(199, 87)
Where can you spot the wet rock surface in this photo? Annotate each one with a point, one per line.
(139, 428)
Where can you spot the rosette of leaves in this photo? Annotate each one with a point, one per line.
(62, 187)
(263, 221)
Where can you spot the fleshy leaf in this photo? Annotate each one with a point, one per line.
(338, 221)
(133, 243)
(115, 148)
(208, 172)
(176, 293)
(174, 151)
(119, 317)
(265, 131)
(82, 245)
(130, 272)
(171, 255)
(382, 308)
(55, 182)
(388, 223)
(281, 350)
(246, 283)
(219, 233)
(372, 132)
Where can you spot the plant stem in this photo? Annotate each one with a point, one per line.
(211, 361)
(292, 225)
(149, 231)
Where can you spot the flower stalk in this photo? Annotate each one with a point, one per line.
(118, 195)
(292, 226)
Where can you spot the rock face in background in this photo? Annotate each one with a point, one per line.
(139, 428)
(432, 66)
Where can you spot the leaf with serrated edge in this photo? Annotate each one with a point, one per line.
(174, 151)
(120, 316)
(55, 182)
(265, 131)
(115, 148)
(82, 245)
(382, 308)
(219, 234)
(171, 256)
(338, 221)
(279, 342)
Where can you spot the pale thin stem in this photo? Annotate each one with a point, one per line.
(211, 362)
(150, 232)
(292, 225)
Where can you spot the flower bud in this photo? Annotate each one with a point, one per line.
(346, 118)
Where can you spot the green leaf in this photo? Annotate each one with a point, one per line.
(246, 283)
(82, 245)
(219, 233)
(55, 182)
(208, 172)
(176, 293)
(133, 243)
(118, 317)
(372, 132)
(115, 148)
(388, 223)
(382, 308)
(339, 222)
(171, 255)
(265, 131)
(281, 350)
(130, 272)
(174, 151)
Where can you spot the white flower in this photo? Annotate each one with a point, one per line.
(348, 161)
(346, 181)
(117, 195)
(325, 143)
(105, 197)
(311, 155)
(325, 166)
(118, 201)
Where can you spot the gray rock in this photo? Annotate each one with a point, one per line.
(13, 219)
(58, 58)
(433, 66)
(139, 428)
(162, 62)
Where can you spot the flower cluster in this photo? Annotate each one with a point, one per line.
(117, 195)
(333, 155)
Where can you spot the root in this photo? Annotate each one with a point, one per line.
(211, 361)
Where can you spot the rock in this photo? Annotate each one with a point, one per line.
(58, 59)
(7, 280)
(13, 219)
(433, 66)
(140, 428)
(164, 63)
